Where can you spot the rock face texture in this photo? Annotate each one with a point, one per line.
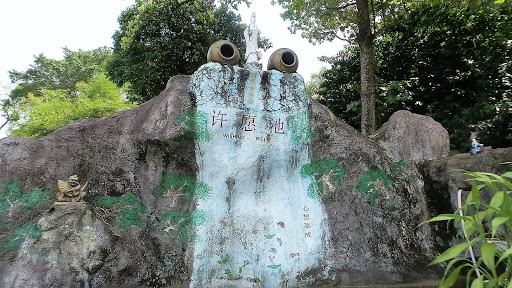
(73, 242)
(445, 176)
(143, 215)
(124, 158)
(413, 138)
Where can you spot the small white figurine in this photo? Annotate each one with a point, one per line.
(252, 54)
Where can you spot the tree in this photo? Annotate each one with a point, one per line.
(358, 21)
(53, 109)
(313, 86)
(52, 93)
(449, 60)
(339, 88)
(162, 38)
(49, 74)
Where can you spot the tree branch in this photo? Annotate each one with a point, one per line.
(346, 5)
(5, 123)
(373, 12)
(344, 39)
(394, 23)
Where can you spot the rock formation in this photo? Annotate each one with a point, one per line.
(413, 138)
(141, 220)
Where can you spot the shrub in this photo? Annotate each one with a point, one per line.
(482, 222)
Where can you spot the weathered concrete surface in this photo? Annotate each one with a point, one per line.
(445, 176)
(260, 210)
(127, 153)
(74, 242)
(144, 183)
(413, 138)
(374, 210)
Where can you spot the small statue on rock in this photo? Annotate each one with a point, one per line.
(71, 191)
(476, 147)
(252, 54)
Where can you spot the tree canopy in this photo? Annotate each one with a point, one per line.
(162, 38)
(356, 21)
(448, 60)
(52, 93)
(53, 109)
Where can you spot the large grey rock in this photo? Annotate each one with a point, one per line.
(374, 242)
(374, 203)
(127, 153)
(413, 138)
(73, 242)
(446, 175)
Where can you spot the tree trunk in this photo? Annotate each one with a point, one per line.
(365, 41)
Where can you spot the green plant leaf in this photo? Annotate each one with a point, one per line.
(496, 222)
(492, 209)
(505, 255)
(448, 282)
(474, 196)
(469, 227)
(479, 217)
(452, 252)
(478, 282)
(497, 200)
(269, 236)
(444, 217)
(450, 264)
(488, 252)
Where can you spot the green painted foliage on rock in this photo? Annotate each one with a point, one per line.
(11, 195)
(13, 240)
(317, 169)
(299, 127)
(187, 185)
(176, 219)
(183, 222)
(397, 167)
(127, 207)
(367, 184)
(196, 127)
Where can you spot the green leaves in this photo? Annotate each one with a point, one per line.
(162, 38)
(477, 218)
(52, 93)
(55, 108)
(488, 253)
(451, 253)
(496, 222)
(446, 59)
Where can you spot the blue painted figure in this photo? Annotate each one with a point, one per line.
(476, 147)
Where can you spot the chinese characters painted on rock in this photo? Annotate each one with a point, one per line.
(248, 122)
(307, 224)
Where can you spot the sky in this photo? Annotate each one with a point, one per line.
(31, 27)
